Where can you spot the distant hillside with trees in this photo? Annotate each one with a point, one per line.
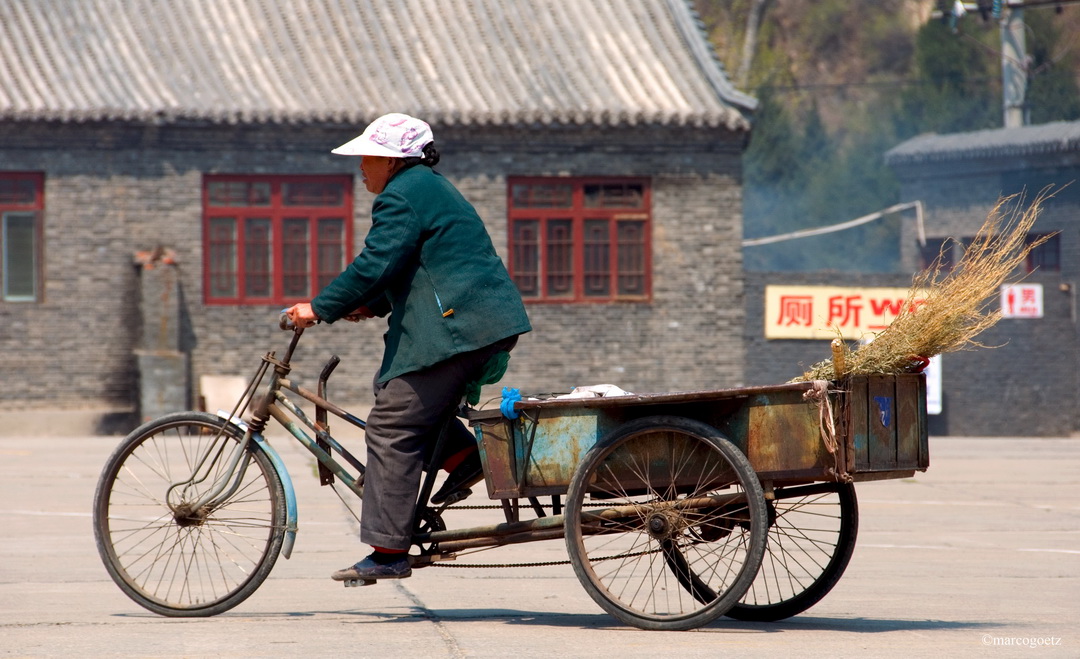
(840, 82)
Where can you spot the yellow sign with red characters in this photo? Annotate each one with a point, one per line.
(825, 312)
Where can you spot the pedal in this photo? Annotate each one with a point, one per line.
(459, 495)
(357, 583)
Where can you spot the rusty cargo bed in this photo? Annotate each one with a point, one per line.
(879, 427)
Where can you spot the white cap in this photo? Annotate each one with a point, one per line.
(392, 135)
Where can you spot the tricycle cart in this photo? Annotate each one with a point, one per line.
(761, 532)
(676, 508)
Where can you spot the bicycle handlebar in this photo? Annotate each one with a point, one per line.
(284, 322)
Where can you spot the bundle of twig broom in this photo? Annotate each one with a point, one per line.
(946, 310)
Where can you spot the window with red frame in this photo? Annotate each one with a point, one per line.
(274, 239)
(580, 239)
(21, 205)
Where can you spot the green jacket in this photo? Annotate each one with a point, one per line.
(429, 262)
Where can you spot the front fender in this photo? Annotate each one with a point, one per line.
(286, 484)
(290, 493)
(283, 476)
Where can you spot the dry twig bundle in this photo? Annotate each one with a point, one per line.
(956, 306)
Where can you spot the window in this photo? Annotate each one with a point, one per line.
(580, 240)
(938, 253)
(274, 239)
(1045, 257)
(21, 205)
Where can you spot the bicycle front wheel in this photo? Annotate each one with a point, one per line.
(166, 548)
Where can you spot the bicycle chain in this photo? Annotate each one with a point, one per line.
(537, 564)
(545, 563)
(498, 565)
(495, 565)
(506, 565)
(545, 506)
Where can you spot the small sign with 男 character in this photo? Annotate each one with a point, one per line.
(1022, 301)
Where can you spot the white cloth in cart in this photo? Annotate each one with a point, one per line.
(596, 391)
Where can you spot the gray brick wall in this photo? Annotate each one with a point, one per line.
(112, 190)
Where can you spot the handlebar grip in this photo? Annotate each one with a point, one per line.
(284, 322)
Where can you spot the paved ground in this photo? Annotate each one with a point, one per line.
(979, 557)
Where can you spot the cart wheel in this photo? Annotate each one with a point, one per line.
(811, 537)
(665, 523)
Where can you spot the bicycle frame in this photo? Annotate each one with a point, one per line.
(276, 405)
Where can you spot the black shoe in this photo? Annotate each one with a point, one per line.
(368, 569)
(469, 472)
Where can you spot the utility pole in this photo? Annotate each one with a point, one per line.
(1014, 58)
(1014, 65)
(753, 24)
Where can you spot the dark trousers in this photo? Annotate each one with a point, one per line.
(409, 413)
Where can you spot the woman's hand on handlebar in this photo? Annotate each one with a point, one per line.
(302, 315)
(363, 313)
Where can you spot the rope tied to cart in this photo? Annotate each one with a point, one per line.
(819, 395)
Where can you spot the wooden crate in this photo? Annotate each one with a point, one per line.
(884, 420)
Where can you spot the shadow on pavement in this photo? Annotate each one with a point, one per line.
(604, 621)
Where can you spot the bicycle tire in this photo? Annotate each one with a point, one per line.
(811, 540)
(636, 562)
(172, 560)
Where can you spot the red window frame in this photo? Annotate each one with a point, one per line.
(22, 197)
(580, 239)
(272, 239)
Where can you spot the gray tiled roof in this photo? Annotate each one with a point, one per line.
(1053, 137)
(452, 61)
